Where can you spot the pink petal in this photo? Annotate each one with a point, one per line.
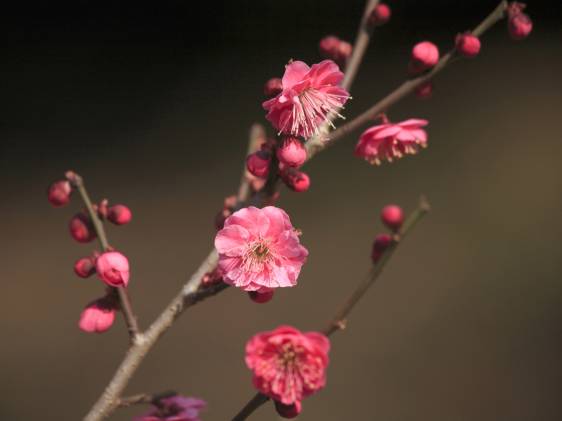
(294, 73)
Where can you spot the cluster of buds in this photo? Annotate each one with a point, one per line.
(392, 216)
(519, 24)
(111, 266)
(336, 49)
(288, 155)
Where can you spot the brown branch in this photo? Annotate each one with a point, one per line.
(360, 46)
(338, 322)
(403, 90)
(144, 398)
(126, 308)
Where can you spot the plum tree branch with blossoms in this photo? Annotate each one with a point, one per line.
(338, 321)
(257, 249)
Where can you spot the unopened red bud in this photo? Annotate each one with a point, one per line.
(392, 216)
(381, 243)
(296, 180)
(221, 217)
(59, 193)
(81, 228)
(230, 202)
(467, 45)
(380, 15)
(119, 214)
(291, 152)
(258, 163)
(425, 91)
(520, 26)
(288, 411)
(336, 49)
(424, 56)
(261, 297)
(85, 267)
(112, 268)
(273, 87)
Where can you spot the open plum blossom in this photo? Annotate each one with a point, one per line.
(288, 365)
(259, 249)
(175, 408)
(391, 141)
(309, 96)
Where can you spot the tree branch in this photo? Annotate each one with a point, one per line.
(403, 90)
(126, 308)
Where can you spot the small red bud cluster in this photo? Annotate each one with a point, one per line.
(519, 24)
(333, 48)
(111, 266)
(290, 155)
(261, 297)
(272, 87)
(392, 216)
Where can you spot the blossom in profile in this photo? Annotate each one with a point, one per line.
(175, 408)
(112, 268)
(259, 249)
(310, 97)
(390, 141)
(288, 365)
(98, 316)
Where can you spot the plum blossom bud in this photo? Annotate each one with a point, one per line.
(112, 268)
(380, 15)
(392, 216)
(336, 49)
(59, 193)
(263, 296)
(102, 208)
(467, 45)
(296, 180)
(288, 411)
(258, 163)
(519, 24)
(119, 214)
(424, 91)
(291, 152)
(273, 87)
(98, 316)
(81, 228)
(425, 55)
(381, 243)
(85, 267)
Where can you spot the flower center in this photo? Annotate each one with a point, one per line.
(257, 255)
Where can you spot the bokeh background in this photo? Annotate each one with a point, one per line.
(152, 101)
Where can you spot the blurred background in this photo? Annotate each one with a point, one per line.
(152, 102)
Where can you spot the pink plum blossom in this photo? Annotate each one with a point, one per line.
(175, 408)
(309, 96)
(259, 249)
(288, 365)
(112, 268)
(391, 141)
(98, 316)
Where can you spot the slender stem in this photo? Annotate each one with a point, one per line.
(145, 398)
(338, 322)
(257, 135)
(403, 90)
(126, 308)
(254, 403)
(360, 46)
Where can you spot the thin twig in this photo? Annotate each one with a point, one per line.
(360, 46)
(126, 308)
(144, 398)
(338, 322)
(403, 90)
(257, 136)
